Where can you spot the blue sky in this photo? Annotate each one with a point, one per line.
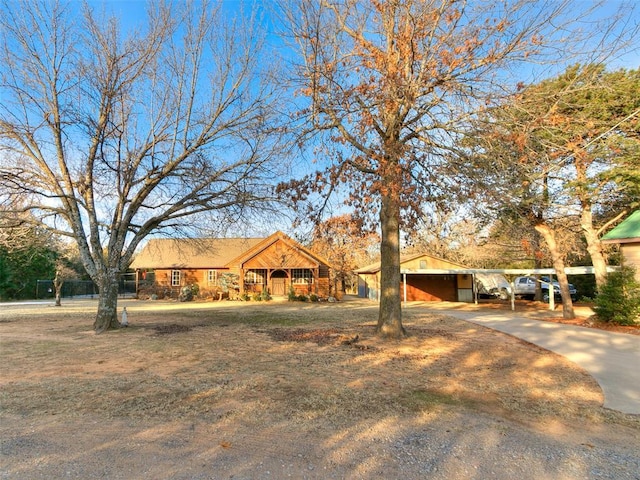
(132, 11)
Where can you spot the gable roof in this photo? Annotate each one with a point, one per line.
(626, 232)
(191, 252)
(267, 242)
(375, 267)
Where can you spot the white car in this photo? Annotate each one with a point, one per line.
(526, 287)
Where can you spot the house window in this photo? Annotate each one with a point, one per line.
(254, 276)
(302, 276)
(212, 277)
(423, 264)
(175, 278)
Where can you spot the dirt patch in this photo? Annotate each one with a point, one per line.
(317, 336)
(238, 390)
(171, 328)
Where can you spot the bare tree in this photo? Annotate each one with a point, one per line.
(63, 273)
(391, 82)
(450, 235)
(343, 242)
(115, 134)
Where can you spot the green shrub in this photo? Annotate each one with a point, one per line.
(313, 297)
(256, 297)
(294, 297)
(245, 297)
(619, 298)
(585, 284)
(265, 295)
(186, 294)
(292, 294)
(189, 292)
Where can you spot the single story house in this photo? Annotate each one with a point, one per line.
(421, 280)
(234, 265)
(627, 234)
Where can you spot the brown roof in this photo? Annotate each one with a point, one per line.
(192, 252)
(266, 242)
(376, 267)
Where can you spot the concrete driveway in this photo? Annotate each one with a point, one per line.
(613, 359)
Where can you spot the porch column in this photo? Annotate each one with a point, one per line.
(267, 282)
(289, 283)
(316, 279)
(241, 281)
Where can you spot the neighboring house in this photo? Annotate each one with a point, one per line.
(424, 278)
(234, 265)
(627, 234)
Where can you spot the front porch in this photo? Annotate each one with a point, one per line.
(278, 281)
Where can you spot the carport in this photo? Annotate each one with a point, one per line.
(409, 277)
(437, 280)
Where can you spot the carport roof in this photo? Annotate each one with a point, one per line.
(462, 270)
(375, 267)
(505, 271)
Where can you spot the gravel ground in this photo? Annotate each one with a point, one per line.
(259, 414)
(453, 446)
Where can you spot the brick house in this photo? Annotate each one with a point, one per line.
(233, 266)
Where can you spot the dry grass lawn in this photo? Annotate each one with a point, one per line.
(308, 368)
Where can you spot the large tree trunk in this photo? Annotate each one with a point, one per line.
(558, 264)
(594, 247)
(390, 313)
(107, 316)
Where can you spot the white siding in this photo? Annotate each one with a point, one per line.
(631, 256)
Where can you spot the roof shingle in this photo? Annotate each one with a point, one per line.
(176, 253)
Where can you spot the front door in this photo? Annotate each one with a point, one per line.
(278, 282)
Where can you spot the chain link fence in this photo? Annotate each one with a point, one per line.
(84, 288)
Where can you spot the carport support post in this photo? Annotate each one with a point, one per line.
(513, 296)
(404, 287)
(474, 287)
(552, 294)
